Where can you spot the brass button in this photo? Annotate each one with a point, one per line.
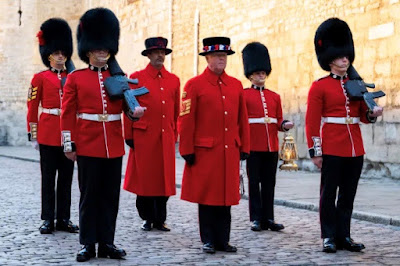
(226, 146)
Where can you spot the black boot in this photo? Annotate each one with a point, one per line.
(47, 227)
(270, 224)
(110, 250)
(329, 245)
(227, 248)
(208, 248)
(86, 253)
(162, 227)
(67, 226)
(256, 226)
(146, 226)
(348, 244)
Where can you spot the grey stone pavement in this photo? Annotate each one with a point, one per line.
(376, 209)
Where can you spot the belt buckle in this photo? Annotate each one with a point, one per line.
(103, 118)
(58, 111)
(267, 120)
(349, 120)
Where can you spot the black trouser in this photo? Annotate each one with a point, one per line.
(53, 160)
(261, 169)
(215, 224)
(152, 209)
(343, 173)
(99, 183)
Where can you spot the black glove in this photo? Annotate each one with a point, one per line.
(244, 156)
(129, 142)
(189, 158)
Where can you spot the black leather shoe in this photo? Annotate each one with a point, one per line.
(208, 248)
(86, 253)
(110, 250)
(227, 248)
(256, 226)
(162, 227)
(67, 226)
(146, 226)
(47, 227)
(348, 244)
(329, 245)
(270, 224)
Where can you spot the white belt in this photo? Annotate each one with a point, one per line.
(52, 111)
(263, 120)
(100, 117)
(341, 120)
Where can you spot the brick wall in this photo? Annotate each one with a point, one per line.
(287, 28)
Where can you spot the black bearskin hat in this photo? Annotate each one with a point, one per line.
(255, 58)
(55, 34)
(333, 39)
(98, 29)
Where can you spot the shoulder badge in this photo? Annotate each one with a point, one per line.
(32, 93)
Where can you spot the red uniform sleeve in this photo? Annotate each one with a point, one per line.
(69, 112)
(279, 115)
(313, 120)
(177, 105)
(244, 127)
(34, 98)
(187, 119)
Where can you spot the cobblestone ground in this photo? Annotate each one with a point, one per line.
(299, 244)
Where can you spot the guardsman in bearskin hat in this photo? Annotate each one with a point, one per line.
(214, 136)
(55, 45)
(265, 118)
(338, 150)
(92, 134)
(150, 172)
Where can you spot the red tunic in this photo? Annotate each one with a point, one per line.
(264, 137)
(83, 94)
(45, 90)
(151, 164)
(213, 125)
(327, 98)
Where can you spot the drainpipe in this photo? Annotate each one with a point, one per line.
(196, 43)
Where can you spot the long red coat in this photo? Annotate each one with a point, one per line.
(83, 93)
(45, 90)
(151, 164)
(214, 126)
(264, 137)
(327, 98)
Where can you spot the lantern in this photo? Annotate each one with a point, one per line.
(288, 153)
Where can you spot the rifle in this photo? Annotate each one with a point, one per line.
(118, 88)
(356, 88)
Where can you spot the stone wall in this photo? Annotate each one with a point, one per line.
(287, 27)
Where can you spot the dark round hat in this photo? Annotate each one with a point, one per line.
(156, 43)
(256, 58)
(98, 29)
(216, 44)
(333, 39)
(54, 35)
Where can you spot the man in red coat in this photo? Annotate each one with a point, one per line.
(338, 148)
(265, 118)
(150, 172)
(92, 134)
(55, 45)
(214, 136)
